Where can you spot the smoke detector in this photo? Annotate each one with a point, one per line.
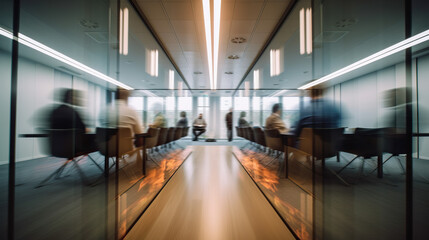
(233, 57)
(238, 40)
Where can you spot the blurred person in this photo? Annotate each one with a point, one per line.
(228, 120)
(274, 121)
(183, 121)
(65, 116)
(198, 127)
(320, 113)
(159, 121)
(242, 120)
(395, 106)
(121, 115)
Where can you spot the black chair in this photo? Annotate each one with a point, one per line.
(365, 143)
(69, 144)
(259, 136)
(170, 135)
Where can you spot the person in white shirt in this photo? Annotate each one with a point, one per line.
(199, 127)
(121, 115)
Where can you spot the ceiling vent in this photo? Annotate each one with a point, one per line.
(238, 40)
(345, 23)
(233, 57)
(198, 73)
(89, 24)
(229, 73)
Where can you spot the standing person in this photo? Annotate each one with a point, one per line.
(183, 121)
(199, 126)
(274, 121)
(228, 120)
(242, 120)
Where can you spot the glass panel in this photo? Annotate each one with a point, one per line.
(6, 17)
(420, 87)
(60, 188)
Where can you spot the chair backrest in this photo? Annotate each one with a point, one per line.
(368, 141)
(250, 135)
(393, 141)
(185, 131)
(108, 144)
(259, 136)
(320, 142)
(178, 133)
(170, 134)
(153, 139)
(63, 143)
(273, 139)
(238, 131)
(162, 137)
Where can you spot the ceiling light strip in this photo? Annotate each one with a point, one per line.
(216, 17)
(207, 26)
(302, 31)
(309, 34)
(409, 42)
(29, 42)
(6, 33)
(125, 42)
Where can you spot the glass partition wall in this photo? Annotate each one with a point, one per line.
(351, 77)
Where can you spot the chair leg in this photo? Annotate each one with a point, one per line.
(82, 175)
(347, 165)
(96, 164)
(56, 173)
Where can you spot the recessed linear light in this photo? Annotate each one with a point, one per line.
(207, 28)
(29, 42)
(233, 57)
(216, 32)
(229, 73)
(402, 45)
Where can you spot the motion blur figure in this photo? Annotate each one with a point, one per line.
(395, 107)
(242, 120)
(183, 121)
(65, 116)
(320, 113)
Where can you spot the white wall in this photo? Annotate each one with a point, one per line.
(5, 78)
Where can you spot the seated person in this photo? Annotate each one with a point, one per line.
(242, 121)
(199, 127)
(121, 115)
(183, 122)
(320, 113)
(274, 121)
(66, 117)
(159, 122)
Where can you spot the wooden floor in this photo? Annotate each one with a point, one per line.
(210, 197)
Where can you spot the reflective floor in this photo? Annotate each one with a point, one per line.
(210, 197)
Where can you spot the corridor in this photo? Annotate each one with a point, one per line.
(210, 197)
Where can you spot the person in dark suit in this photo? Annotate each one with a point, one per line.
(320, 113)
(65, 116)
(183, 122)
(228, 120)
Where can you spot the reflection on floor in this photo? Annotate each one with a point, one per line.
(370, 208)
(210, 197)
(73, 209)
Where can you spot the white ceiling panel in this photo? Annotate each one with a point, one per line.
(274, 10)
(184, 26)
(247, 10)
(153, 10)
(265, 26)
(242, 27)
(179, 10)
(162, 26)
